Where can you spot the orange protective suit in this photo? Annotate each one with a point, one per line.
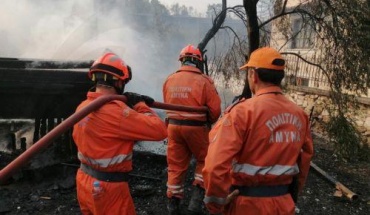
(188, 86)
(260, 142)
(105, 140)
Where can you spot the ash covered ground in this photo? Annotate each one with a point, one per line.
(51, 190)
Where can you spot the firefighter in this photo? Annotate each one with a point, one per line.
(258, 146)
(105, 139)
(187, 131)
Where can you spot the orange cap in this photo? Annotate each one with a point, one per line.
(265, 58)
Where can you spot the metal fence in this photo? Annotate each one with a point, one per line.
(301, 73)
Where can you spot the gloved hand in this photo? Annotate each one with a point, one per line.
(133, 98)
(148, 100)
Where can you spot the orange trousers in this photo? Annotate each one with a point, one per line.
(115, 198)
(280, 205)
(183, 142)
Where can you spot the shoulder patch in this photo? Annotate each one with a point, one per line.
(126, 112)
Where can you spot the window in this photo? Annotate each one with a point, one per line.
(303, 35)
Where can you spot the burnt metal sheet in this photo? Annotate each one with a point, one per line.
(42, 91)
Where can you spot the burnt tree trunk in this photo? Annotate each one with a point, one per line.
(250, 7)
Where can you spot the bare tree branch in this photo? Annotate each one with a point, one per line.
(217, 23)
(235, 34)
(238, 13)
(250, 7)
(300, 57)
(295, 11)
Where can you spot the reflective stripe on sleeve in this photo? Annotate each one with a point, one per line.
(175, 186)
(214, 199)
(263, 170)
(106, 161)
(198, 177)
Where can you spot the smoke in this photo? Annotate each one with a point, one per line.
(76, 30)
(84, 30)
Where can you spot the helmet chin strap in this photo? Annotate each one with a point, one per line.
(120, 91)
(119, 86)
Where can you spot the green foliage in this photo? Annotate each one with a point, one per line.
(364, 154)
(345, 137)
(344, 44)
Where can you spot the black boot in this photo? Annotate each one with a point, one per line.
(196, 201)
(173, 206)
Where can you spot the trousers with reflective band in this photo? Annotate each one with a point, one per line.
(183, 143)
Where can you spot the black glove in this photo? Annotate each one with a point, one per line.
(133, 98)
(148, 100)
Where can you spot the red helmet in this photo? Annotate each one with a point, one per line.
(190, 51)
(112, 65)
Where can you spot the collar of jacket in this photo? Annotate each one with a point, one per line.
(189, 69)
(93, 95)
(271, 89)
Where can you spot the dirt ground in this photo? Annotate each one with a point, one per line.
(52, 190)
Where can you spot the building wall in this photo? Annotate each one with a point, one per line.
(309, 97)
(306, 45)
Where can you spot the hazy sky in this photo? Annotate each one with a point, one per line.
(200, 5)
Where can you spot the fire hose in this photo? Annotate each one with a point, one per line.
(46, 140)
